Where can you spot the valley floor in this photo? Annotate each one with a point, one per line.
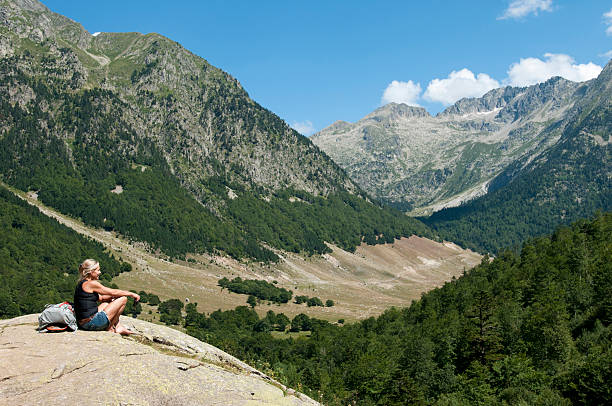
(361, 284)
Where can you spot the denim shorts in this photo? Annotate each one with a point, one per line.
(98, 322)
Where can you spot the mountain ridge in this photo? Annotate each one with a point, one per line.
(154, 72)
(420, 165)
(569, 180)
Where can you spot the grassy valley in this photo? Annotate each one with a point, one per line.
(362, 283)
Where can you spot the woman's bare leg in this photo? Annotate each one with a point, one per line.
(113, 311)
(103, 306)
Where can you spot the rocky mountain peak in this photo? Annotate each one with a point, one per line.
(394, 111)
(607, 70)
(493, 100)
(30, 5)
(512, 101)
(555, 95)
(33, 20)
(554, 88)
(339, 125)
(426, 163)
(603, 82)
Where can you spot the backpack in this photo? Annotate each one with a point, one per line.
(57, 317)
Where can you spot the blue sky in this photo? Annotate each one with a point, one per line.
(314, 62)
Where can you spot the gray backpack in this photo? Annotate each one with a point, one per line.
(57, 317)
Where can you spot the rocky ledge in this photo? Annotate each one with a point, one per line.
(156, 366)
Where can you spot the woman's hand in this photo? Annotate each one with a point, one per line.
(136, 296)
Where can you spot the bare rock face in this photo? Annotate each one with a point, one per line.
(156, 366)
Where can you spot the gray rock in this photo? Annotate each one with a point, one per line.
(155, 366)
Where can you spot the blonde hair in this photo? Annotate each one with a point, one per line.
(87, 267)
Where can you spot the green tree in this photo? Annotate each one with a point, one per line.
(301, 322)
(314, 301)
(252, 301)
(170, 311)
(282, 322)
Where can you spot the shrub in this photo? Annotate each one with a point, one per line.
(314, 301)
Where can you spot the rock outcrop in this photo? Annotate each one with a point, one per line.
(155, 366)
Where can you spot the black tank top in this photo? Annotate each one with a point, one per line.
(85, 304)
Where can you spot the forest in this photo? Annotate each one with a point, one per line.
(39, 258)
(524, 328)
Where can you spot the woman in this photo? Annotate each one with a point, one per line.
(89, 291)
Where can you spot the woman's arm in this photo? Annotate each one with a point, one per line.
(105, 298)
(108, 293)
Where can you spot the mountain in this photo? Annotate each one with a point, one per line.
(419, 163)
(201, 116)
(571, 179)
(136, 134)
(160, 366)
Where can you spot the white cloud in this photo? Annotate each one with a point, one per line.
(402, 92)
(303, 127)
(608, 21)
(521, 8)
(530, 71)
(95, 34)
(463, 83)
(459, 84)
